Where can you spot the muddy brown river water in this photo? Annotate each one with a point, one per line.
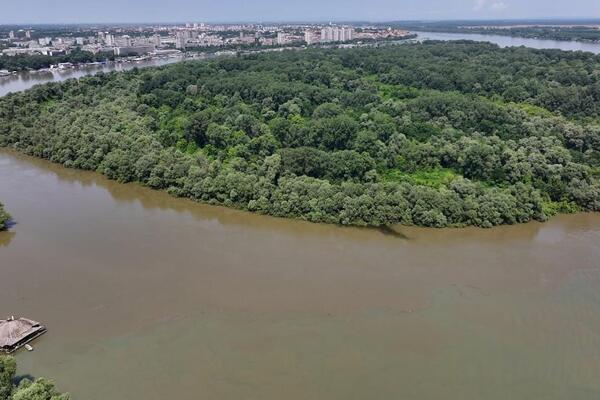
(150, 297)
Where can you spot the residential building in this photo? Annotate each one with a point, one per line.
(180, 40)
(310, 37)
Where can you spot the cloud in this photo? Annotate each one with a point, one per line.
(499, 5)
(493, 5)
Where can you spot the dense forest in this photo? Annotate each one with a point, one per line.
(24, 61)
(39, 389)
(434, 134)
(4, 218)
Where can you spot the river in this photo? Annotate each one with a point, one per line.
(508, 41)
(152, 297)
(26, 80)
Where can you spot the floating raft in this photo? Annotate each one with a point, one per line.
(16, 333)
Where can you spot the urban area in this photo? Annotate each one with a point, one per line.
(150, 41)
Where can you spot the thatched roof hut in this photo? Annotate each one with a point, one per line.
(15, 333)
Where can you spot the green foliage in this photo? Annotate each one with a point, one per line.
(23, 62)
(434, 134)
(434, 178)
(4, 218)
(560, 207)
(39, 389)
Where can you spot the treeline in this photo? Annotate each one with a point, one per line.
(566, 33)
(4, 218)
(23, 62)
(39, 389)
(435, 134)
(532, 30)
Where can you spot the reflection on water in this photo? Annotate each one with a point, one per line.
(165, 297)
(5, 238)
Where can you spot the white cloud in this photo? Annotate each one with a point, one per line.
(494, 5)
(499, 5)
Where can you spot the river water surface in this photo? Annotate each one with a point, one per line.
(509, 41)
(151, 297)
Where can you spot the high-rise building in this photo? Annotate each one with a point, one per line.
(337, 34)
(11, 34)
(347, 34)
(309, 37)
(28, 34)
(281, 38)
(125, 41)
(45, 41)
(327, 34)
(109, 40)
(180, 40)
(156, 40)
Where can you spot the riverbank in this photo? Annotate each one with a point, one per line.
(24, 81)
(17, 82)
(295, 157)
(383, 310)
(510, 41)
(194, 54)
(591, 35)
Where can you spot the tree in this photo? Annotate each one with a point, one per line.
(433, 134)
(4, 218)
(38, 389)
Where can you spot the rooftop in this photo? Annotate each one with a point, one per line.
(15, 333)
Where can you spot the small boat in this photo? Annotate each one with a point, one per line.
(29, 347)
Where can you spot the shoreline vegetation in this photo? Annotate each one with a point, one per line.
(79, 58)
(438, 134)
(18, 63)
(26, 389)
(4, 218)
(586, 34)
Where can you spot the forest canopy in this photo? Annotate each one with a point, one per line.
(26, 389)
(432, 134)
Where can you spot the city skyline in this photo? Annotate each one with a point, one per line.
(137, 11)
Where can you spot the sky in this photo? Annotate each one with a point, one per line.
(82, 11)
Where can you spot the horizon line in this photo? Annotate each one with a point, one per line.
(307, 21)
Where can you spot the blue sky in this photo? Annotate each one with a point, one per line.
(73, 11)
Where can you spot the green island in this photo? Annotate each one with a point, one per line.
(438, 134)
(38, 389)
(4, 218)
